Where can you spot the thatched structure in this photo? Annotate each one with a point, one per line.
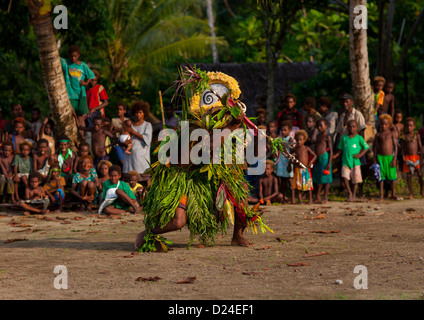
(252, 78)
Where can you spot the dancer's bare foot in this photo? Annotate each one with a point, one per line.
(240, 241)
(139, 240)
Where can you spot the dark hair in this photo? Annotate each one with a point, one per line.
(42, 141)
(123, 104)
(397, 111)
(290, 95)
(36, 110)
(98, 117)
(115, 168)
(287, 123)
(7, 143)
(96, 73)
(51, 123)
(325, 120)
(325, 101)
(73, 49)
(140, 105)
(35, 174)
(410, 119)
(310, 101)
(84, 144)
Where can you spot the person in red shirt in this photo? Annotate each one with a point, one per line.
(97, 98)
(289, 102)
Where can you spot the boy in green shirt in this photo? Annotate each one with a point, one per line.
(117, 195)
(352, 146)
(77, 74)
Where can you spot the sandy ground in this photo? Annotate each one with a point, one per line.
(312, 246)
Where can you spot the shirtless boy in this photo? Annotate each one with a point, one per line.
(412, 155)
(98, 139)
(6, 177)
(385, 147)
(17, 137)
(268, 186)
(321, 174)
(302, 178)
(389, 100)
(41, 159)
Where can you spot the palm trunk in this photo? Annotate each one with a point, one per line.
(359, 67)
(51, 67)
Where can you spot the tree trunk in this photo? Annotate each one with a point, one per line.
(271, 64)
(212, 28)
(51, 67)
(359, 67)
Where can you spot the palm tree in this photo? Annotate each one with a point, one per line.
(148, 33)
(54, 81)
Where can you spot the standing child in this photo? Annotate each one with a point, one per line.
(6, 177)
(389, 100)
(36, 199)
(41, 159)
(398, 129)
(55, 187)
(98, 139)
(311, 129)
(385, 151)
(46, 132)
(17, 137)
(268, 186)
(378, 85)
(22, 167)
(321, 174)
(302, 178)
(77, 75)
(283, 167)
(412, 155)
(352, 147)
(97, 98)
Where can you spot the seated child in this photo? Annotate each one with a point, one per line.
(84, 183)
(83, 150)
(65, 157)
(6, 176)
(268, 186)
(42, 159)
(302, 178)
(136, 188)
(55, 187)
(117, 195)
(103, 174)
(411, 149)
(321, 173)
(385, 150)
(22, 167)
(352, 147)
(36, 199)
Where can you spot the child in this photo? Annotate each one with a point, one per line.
(385, 150)
(125, 139)
(65, 157)
(117, 124)
(268, 186)
(77, 74)
(98, 139)
(283, 166)
(18, 134)
(41, 159)
(289, 103)
(321, 174)
(398, 129)
(83, 150)
(46, 132)
(35, 122)
(412, 155)
(311, 130)
(117, 194)
(302, 179)
(36, 199)
(97, 98)
(103, 173)
(324, 108)
(22, 166)
(352, 147)
(6, 177)
(389, 100)
(308, 108)
(84, 183)
(136, 188)
(55, 187)
(378, 86)
(261, 117)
